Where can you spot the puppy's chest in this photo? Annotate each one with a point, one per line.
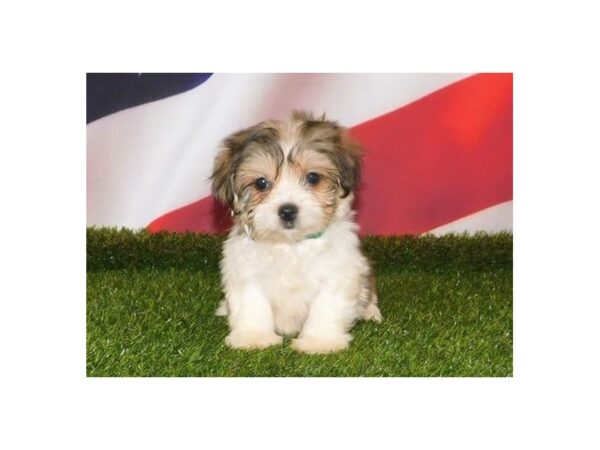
(292, 273)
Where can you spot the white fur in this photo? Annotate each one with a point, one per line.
(288, 286)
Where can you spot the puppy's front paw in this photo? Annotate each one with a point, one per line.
(312, 345)
(222, 310)
(252, 339)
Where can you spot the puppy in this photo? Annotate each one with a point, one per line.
(292, 264)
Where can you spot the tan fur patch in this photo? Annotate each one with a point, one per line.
(326, 190)
(331, 140)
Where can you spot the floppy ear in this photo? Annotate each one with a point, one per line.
(231, 155)
(349, 163)
(223, 176)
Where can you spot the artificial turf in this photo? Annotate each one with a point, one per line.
(446, 302)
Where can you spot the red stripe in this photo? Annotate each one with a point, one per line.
(206, 216)
(438, 159)
(426, 164)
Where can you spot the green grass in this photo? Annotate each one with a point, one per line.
(151, 298)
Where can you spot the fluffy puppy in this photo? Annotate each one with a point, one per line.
(292, 264)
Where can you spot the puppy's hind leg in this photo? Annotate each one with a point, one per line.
(369, 299)
(371, 312)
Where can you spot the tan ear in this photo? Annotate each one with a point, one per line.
(232, 153)
(226, 162)
(350, 164)
(223, 187)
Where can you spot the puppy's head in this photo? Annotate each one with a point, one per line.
(285, 181)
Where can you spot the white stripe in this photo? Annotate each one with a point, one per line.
(148, 160)
(492, 220)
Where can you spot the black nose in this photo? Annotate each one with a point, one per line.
(288, 212)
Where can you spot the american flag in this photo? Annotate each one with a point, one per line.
(437, 147)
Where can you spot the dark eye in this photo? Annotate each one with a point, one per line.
(261, 184)
(313, 178)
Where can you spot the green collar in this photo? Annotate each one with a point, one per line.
(314, 235)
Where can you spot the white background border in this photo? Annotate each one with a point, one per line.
(552, 401)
